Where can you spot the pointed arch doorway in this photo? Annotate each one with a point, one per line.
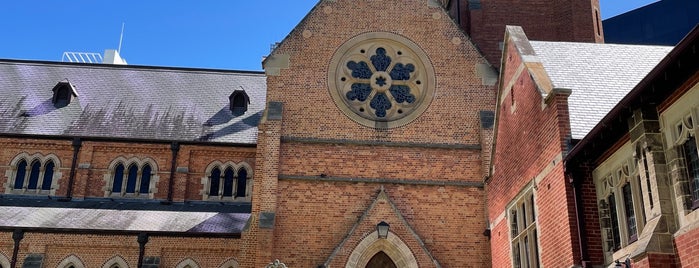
(380, 260)
(374, 252)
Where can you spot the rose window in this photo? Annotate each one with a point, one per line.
(381, 82)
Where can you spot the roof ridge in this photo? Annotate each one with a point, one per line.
(132, 67)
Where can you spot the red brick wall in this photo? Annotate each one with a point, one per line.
(500, 245)
(687, 246)
(309, 110)
(529, 140)
(95, 250)
(99, 155)
(659, 260)
(568, 20)
(449, 219)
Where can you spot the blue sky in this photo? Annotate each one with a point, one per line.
(220, 34)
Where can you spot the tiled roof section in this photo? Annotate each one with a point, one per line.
(599, 75)
(152, 103)
(123, 220)
(128, 215)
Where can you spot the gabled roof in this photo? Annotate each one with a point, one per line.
(599, 75)
(665, 80)
(129, 102)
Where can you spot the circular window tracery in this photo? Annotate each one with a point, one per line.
(381, 80)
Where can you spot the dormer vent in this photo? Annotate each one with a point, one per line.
(63, 93)
(239, 101)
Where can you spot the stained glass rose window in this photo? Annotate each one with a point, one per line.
(381, 80)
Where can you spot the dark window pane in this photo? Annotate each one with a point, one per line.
(692, 161)
(526, 252)
(21, 173)
(48, 176)
(630, 213)
(531, 201)
(228, 182)
(513, 223)
(34, 175)
(145, 180)
(536, 249)
(645, 166)
(616, 237)
(516, 259)
(242, 177)
(640, 197)
(131, 180)
(215, 181)
(118, 178)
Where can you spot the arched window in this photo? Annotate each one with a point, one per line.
(116, 262)
(187, 263)
(215, 181)
(145, 179)
(71, 261)
(228, 182)
(131, 180)
(239, 101)
(118, 178)
(242, 177)
(34, 175)
(48, 176)
(21, 174)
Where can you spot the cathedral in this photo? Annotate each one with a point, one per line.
(382, 133)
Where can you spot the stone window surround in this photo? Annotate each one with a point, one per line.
(43, 159)
(230, 263)
(187, 263)
(610, 177)
(671, 119)
(392, 245)
(524, 197)
(4, 260)
(71, 260)
(140, 163)
(424, 72)
(116, 261)
(206, 181)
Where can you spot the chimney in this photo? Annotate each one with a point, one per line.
(111, 56)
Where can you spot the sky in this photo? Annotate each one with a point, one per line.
(217, 34)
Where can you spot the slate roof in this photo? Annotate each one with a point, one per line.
(131, 102)
(599, 75)
(105, 214)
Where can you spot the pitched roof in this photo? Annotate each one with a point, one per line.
(132, 102)
(124, 215)
(599, 75)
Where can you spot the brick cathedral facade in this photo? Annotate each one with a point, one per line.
(369, 114)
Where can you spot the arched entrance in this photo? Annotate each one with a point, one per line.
(372, 252)
(381, 260)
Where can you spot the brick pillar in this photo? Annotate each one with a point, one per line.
(655, 183)
(83, 173)
(264, 197)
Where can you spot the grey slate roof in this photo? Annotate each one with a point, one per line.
(124, 215)
(599, 75)
(133, 102)
(123, 220)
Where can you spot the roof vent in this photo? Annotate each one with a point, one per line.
(63, 93)
(239, 101)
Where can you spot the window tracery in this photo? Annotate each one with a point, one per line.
(33, 174)
(131, 178)
(381, 80)
(227, 181)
